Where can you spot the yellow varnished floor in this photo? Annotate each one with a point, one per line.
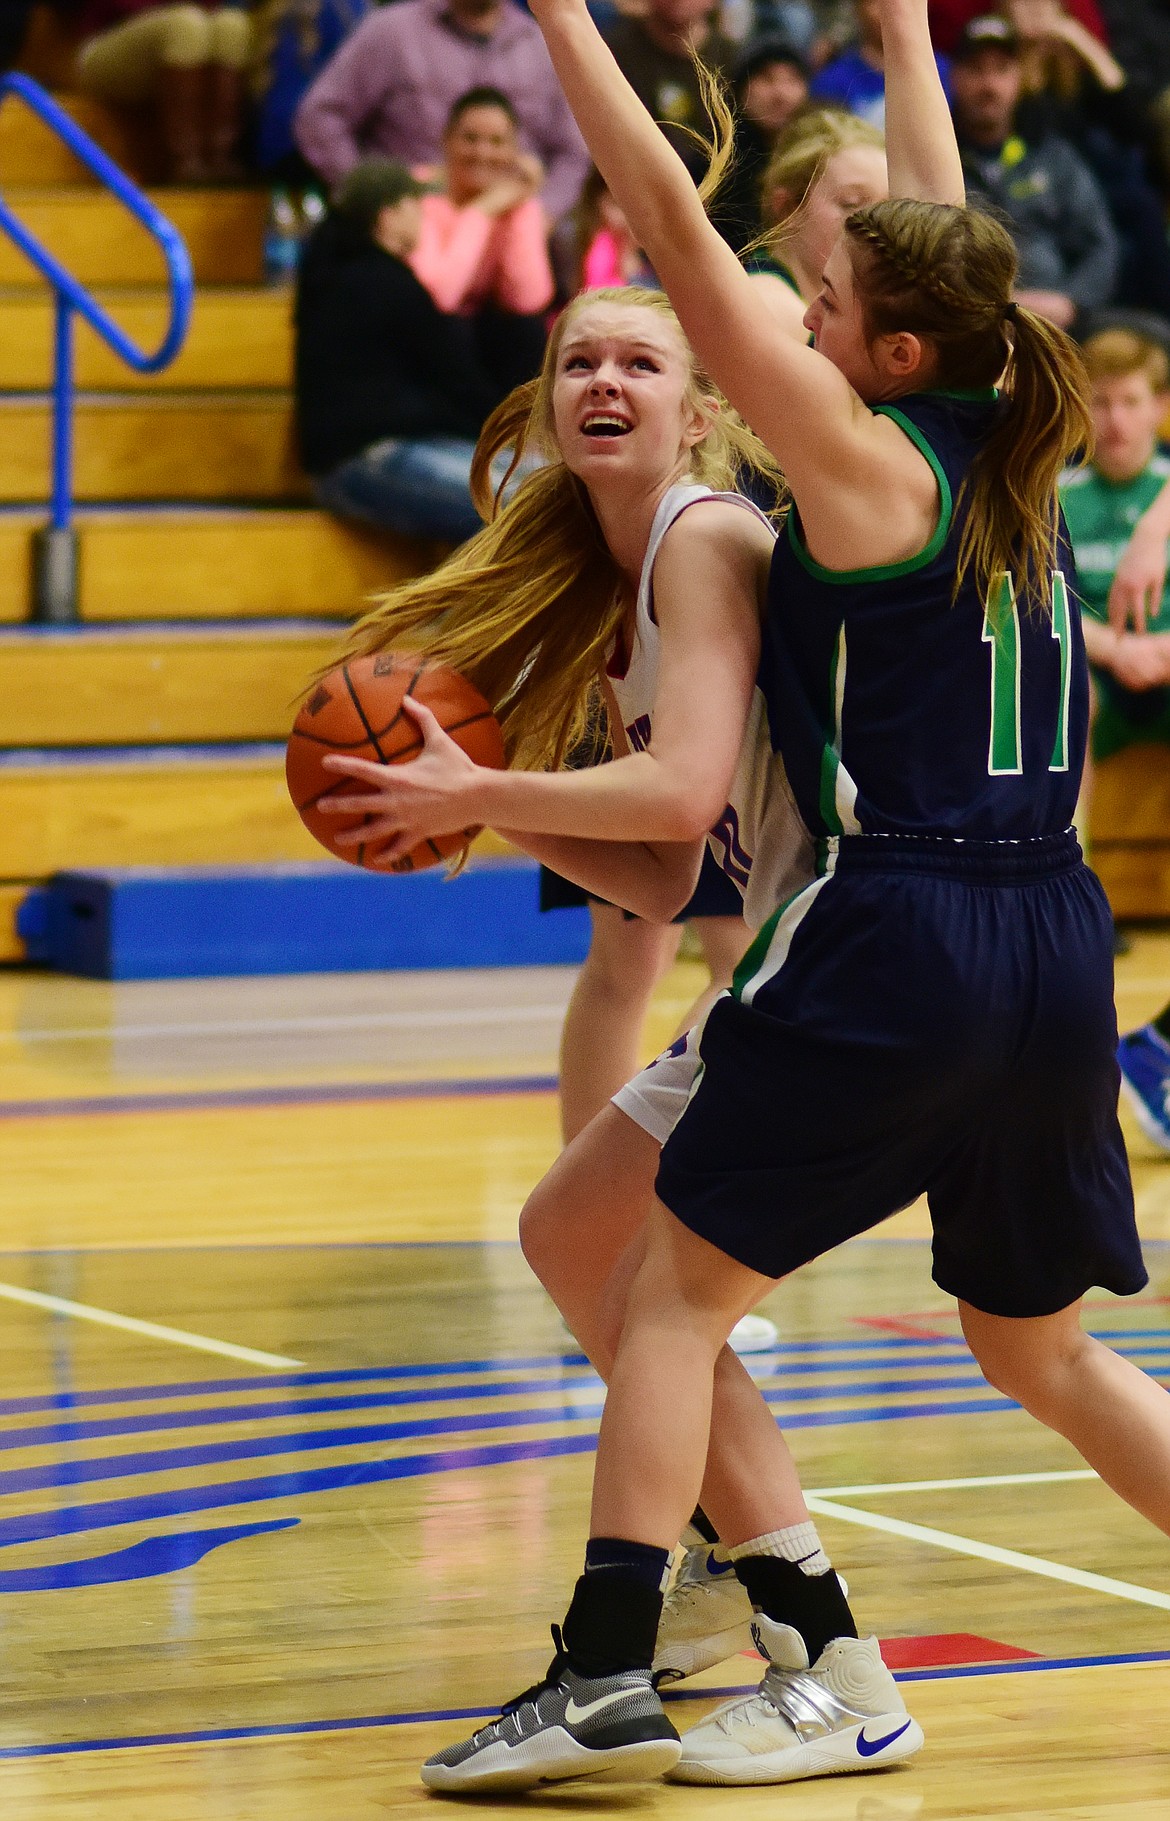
(323, 1482)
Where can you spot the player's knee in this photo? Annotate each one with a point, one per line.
(1031, 1362)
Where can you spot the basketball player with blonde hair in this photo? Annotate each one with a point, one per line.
(932, 1013)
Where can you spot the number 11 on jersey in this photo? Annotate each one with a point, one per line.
(1001, 630)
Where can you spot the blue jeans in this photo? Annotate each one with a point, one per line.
(420, 486)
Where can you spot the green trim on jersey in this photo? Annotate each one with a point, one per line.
(888, 572)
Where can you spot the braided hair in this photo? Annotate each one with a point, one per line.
(947, 274)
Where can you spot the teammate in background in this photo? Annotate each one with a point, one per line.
(934, 1012)
(1124, 487)
(825, 165)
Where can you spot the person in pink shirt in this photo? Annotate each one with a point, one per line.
(484, 236)
(483, 248)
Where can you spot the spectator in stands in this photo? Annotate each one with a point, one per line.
(188, 62)
(770, 79)
(1067, 245)
(390, 398)
(1139, 34)
(1074, 86)
(293, 40)
(655, 53)
(950, 18)
(856, 77)
(1104, 502)
(606, 253)
(391, 86)
(483, 248)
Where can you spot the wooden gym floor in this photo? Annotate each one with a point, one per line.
(298, 1455)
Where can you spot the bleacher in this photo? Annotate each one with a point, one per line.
(210, 588)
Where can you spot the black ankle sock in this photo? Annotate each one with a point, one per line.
(702, 1523)
(642, 1560)
(1162, 1023)
(813, 1604)
(612, 1621)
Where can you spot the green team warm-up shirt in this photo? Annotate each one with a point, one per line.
(1101, 516)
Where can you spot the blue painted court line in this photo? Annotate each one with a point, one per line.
(91, 1468)
(292, 1729)
(340, 1094)
(49, 1434)
(72, 1521)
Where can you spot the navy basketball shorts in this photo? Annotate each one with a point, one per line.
(929, 1017)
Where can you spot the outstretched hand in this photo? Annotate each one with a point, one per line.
(408, 801)
(1138, 582)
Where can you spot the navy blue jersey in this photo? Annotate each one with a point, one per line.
(899, 710)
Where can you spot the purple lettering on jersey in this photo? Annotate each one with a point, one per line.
(735, 859)
(638, 733)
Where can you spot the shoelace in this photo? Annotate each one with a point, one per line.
(551, 1677)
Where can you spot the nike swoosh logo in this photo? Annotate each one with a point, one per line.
(868, 1748)
(715, 1566)
(573, 1713)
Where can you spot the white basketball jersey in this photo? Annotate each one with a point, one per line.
(759, 840)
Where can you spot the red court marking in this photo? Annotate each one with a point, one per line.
(942, 1652)
(908, 1326)
(940, 1324)
(948, 1648)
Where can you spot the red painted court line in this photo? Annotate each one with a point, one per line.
(944, 1650)
(940, 1324)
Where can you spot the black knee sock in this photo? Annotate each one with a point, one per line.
(1162, 1023)
(813, 1604)
(612, 1621)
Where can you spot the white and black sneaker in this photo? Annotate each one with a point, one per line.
(845, 1713)
(565, 1726)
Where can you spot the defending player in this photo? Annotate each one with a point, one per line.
(934, 1013)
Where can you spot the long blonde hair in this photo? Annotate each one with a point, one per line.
(947, 274)
(528, 608)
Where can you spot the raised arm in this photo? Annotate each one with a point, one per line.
(853, 473)
(921, 153)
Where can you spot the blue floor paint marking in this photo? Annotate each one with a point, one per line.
(88, 1469)
(294, 1729)
(179, 1501)
(139, 1562)
(52, 1434)
(326, 1094)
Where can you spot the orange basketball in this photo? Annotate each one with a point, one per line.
(357, 710)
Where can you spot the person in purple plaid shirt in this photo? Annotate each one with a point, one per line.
(390, 86)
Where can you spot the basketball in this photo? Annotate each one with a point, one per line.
(357, 710)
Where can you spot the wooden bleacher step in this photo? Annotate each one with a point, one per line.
(176, 806)
(32, 154)
(238, 338)
(169, 563)
(116, 686)
(169, 446)
(103, 244)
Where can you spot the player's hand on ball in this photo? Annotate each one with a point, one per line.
(411, 801)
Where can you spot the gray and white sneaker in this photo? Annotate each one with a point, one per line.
(567, 1725)
(706, 1616)
(845, 1713)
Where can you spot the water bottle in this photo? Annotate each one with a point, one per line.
(282, 241)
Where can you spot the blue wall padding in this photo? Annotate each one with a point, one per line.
(156, 923)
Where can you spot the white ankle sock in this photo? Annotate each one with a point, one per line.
(798, 1543)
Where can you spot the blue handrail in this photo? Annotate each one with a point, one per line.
(71, 296)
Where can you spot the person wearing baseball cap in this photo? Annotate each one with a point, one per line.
(1067, 244)
(770, 84)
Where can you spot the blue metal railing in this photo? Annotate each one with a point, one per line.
(56, 568)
